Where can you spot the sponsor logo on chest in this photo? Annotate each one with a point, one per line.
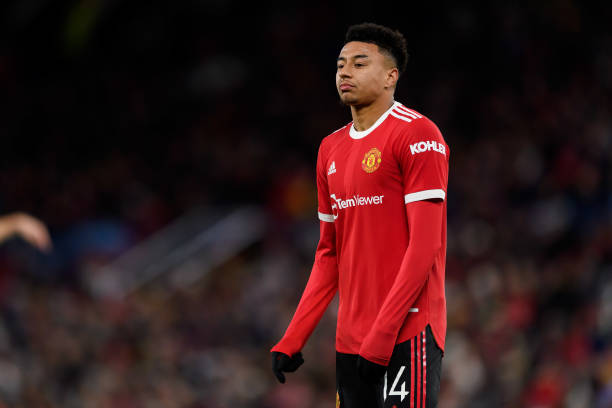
(355, 201)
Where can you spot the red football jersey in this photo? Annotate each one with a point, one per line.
(365, 182)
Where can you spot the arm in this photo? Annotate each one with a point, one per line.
(425, 221)
(320, 289)
(323, 281)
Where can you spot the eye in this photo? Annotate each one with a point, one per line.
(340, 66)
(359, 65)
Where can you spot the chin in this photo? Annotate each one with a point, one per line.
(349, 99)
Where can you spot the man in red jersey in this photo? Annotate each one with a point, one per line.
(382, 183)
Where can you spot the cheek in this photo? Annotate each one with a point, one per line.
(372, 81)
(379, 81)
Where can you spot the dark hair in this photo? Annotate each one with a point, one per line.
(389, 41)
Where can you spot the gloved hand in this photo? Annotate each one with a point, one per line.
(282, 362)
(370, 372)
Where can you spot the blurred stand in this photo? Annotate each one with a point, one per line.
(185, 251)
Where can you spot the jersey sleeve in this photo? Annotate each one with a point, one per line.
(425, 219)
(423, 159)
(323, 281)
(324, 204)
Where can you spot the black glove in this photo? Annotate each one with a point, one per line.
(370, 372)
(282, 362)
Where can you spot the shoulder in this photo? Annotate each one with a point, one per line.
(333, 138)
(336, 133)
(414, 125)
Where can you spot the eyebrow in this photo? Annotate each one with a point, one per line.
(355, 57)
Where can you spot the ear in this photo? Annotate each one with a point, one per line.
(392, 77)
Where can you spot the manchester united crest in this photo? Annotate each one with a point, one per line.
(371, 160)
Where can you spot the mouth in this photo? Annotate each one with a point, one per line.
(345, 87)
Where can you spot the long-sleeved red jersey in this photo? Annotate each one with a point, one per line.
(382, 207)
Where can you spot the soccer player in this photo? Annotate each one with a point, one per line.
(381, 183)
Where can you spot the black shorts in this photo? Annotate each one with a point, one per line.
(412, 379)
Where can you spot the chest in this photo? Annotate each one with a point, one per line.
(365, 166)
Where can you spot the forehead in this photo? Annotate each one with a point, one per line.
(353, 48)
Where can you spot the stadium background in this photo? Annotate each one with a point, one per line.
(119, 118)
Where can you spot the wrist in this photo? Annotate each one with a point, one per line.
(282, 348)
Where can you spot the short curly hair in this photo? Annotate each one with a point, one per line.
(389, 41)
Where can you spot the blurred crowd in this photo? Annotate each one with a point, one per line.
(119, 117)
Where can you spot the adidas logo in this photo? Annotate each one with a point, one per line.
(332, 168)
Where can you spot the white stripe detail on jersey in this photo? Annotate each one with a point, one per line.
(410, 111)
(415, 112)
(356, 134)
(397, 115)
(326, 217)
(424, 195)
(406, 112)
(414, 309)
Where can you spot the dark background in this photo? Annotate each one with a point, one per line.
(118, 118)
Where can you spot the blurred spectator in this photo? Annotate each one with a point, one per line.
(31, 229)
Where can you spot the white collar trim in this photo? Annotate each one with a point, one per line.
(355, 134)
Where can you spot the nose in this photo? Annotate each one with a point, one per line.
(344, 72)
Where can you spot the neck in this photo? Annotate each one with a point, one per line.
(364, 116)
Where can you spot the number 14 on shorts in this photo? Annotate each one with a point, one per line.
(394, 391)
